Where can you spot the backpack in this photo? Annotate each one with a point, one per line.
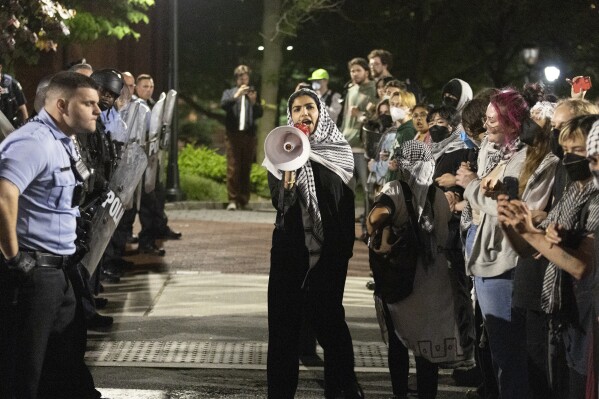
(394, 271)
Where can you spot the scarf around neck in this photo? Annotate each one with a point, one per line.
(329, 148)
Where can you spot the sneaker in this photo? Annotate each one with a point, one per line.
(152, 250)
(99, 321)
(232, 206)
(170, 234)
(100, 302)
(133, 239)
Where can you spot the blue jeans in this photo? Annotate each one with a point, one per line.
(361, 175)
(507, 333)
(470, 234)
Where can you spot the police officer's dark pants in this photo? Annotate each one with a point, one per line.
(41, 353)
(151, 215)
(240, 149)
(321, 302)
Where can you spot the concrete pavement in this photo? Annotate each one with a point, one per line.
(193, 324)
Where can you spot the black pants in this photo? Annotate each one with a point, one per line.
(40, 346)
(152, 216)
(427, 373)
(321, 302)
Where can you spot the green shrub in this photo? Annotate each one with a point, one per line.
(201, 161)
(198, 188)
(206, 163)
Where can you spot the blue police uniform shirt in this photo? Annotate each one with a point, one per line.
(35, 159)
(115, 125)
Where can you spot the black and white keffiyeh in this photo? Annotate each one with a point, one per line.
(416, 167)
(567, 214)
(593, 140)
(452, 143)
(329, 148)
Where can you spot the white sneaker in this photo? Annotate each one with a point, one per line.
(232, 206)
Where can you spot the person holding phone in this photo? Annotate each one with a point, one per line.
(566, 239)
(491, 259)
(243, 108)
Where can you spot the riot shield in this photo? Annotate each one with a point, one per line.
(137, 117)
(167, 126)
(167, 118)
(153, 144)
(109, 213)
(5, 126)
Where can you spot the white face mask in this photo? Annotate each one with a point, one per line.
(397, 114)
(316, 86)
(595, 178)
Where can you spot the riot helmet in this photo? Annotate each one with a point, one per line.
(110, 82)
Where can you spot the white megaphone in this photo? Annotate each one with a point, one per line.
(287, 148)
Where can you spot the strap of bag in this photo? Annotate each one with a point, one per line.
(408, 198)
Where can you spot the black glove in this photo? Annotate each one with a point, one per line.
(21, 265)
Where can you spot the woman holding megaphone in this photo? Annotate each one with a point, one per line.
(311, 246)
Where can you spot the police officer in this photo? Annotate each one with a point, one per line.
(40, 173)
(12, 99)
(113, 131)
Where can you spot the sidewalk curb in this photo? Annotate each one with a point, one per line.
(191, 205)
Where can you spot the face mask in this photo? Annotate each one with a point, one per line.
(385, 121)
(397, 114)
(595, 178)
(438, 133)
(529, 131)
(577, 167)
(316, 86)
(451, 102)
(556, 149)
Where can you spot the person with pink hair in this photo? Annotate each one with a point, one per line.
(490, 258)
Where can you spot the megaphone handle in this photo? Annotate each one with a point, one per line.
(289, 180)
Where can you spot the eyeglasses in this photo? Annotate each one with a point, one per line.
(488, 121)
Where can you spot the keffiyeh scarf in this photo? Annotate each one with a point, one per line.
(416, 167)
(329, 148)
(593, 140)
(567, 214)
(452, 143)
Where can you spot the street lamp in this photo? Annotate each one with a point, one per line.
(530, 55)
(173, 191)
(551, 75)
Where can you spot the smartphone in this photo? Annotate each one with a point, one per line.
(510, 187)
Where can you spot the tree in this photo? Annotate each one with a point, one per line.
(31, 26)
(281, 19)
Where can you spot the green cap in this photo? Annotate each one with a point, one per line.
(319, 74)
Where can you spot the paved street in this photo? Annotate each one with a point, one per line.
(193, 324)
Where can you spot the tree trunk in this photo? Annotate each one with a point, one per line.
(271, 67)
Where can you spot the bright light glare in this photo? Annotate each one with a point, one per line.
(289, 48)
(552, 73)
(260, 48)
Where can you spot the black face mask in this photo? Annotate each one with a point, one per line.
(385, 121)
(438, 133)
(530, 130)
(577, 167)
(556, 149)
(450, 102)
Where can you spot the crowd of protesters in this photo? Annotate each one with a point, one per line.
(517, 169)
